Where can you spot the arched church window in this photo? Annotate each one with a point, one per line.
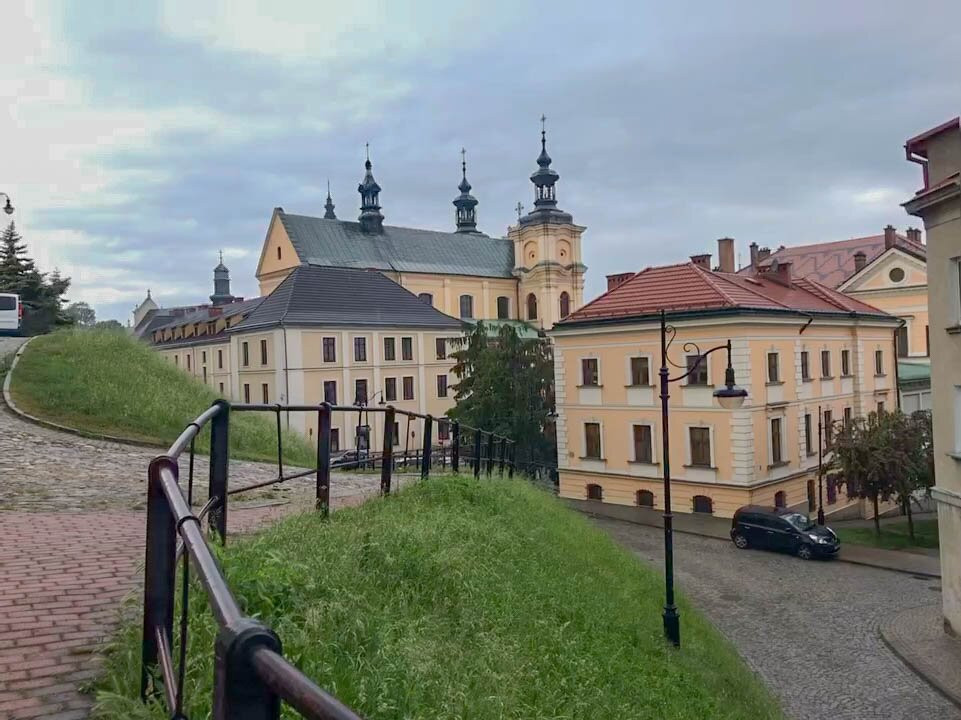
(565, 304)
(503, 308)
(467, 306)
(531, 307)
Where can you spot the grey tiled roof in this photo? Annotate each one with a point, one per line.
(336, 243)
(313, 295)
(203, 314)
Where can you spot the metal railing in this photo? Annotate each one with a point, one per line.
(251, 675)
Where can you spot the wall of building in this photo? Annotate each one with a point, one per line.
(278, 258)
(446, 292)
(742, 449)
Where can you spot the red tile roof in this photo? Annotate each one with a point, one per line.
(687, 287)
(832, 263)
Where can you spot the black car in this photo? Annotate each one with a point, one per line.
(773, 528)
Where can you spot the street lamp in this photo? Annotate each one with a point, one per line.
(7, 208)
(729, 397)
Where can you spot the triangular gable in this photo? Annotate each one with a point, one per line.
(275, 221)
(876, 274)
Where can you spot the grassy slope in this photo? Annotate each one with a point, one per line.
(107, 382)
(894, 535)
(464, 599)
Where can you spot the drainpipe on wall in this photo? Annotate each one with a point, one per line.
(897, 383)
(286, 377)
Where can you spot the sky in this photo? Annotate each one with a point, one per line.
(142, 138)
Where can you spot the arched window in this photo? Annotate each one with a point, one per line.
(595, 492)
(645, 498)
(565, 304)
(503, 308)
(780, 499)
(531, 307)
(467, 306)
(426, 298)
(703, 504)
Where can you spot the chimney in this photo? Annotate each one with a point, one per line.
(216, 312)
(860, 260)
(914, 235)
(703, 260)
(889, 237)
(753, 247)
(618, 279)
(779, 272)
(725, 255)
(763, 254)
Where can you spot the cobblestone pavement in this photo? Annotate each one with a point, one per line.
(9, 344)
(809, 629)
(71, 546)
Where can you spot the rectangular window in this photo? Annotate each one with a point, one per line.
(927, 340)
(205, 373)
(335, 440)
(360, 349)
(503, 308)
(188, 362)
(390, 389)
(220, 359)
(880, 406)
(330, 391)
(441, 386)
(776, 454)
(440, 344)
(879, 362)
(203, 356)
(592, 441)
(443, 429)
(700, 446)
(902, 341)
(408, 387)
(407, 348)
(264, 391)
(640, 371)
(330, 349)
(697, 366)
(589, 374)
(808, 434)
(825, 363)
(773, 371)
(389, 349)
(395, 434)
(805, 366)
(642, 444)
(244, 354)
(845, 363)
(467, 306)
(246, 392)
(221, 388)
(263, 352)
(176, 360)
(360, 392)
(847, 417)
(828, 428)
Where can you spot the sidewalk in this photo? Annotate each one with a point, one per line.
(917, 637)
(720, 529)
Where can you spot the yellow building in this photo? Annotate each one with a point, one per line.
(798, 347)
(938, 203)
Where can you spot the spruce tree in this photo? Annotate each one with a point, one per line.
(14, 263)
(40, 294)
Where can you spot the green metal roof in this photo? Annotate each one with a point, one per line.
(523, 329)
(337, 243)
(913, 371)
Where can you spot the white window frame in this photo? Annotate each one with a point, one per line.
(687, 446)
(600, 425)
(785, 456)
(706, 362)
(580, 371)
(630, 441)
(650, 369)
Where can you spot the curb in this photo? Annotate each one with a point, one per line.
(8, 401)
(839, 558)
(911, 662)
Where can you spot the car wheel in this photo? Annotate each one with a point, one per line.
(804, 552)
(740, 541)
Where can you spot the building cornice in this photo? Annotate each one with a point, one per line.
(917, 205)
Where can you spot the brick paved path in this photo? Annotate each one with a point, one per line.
(71, 547)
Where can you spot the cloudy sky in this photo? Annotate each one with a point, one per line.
(143, 137)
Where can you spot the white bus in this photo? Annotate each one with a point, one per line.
(11, 313)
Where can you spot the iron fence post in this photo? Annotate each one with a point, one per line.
(425, 460)
(159, 570)
(477, 452)
(323, 460)
(455, 447)
(239, 693)
(388, 456)
(510, 467)
(490, 454)
(219, 462)
(503, 457)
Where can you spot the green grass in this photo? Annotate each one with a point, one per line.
(894, 535)
(458, 598)
(106, 382)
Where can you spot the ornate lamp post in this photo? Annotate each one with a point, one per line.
(7, 208)
(820, 469)
(729, 397)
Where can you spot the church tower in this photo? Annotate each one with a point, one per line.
(465, 203)
(547, 251)
(221, 294)
(371, 219)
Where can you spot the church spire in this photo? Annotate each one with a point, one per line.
(544, 178)
(465, 202)
(329, 206)
(371, 219)
(221, 294)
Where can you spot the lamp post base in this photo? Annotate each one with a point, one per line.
(820, 516)
(672, 625)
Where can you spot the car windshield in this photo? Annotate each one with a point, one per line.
(799, 520)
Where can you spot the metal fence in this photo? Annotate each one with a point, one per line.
(251, 676)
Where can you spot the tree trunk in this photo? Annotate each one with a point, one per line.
(877, 519)
(907, 506)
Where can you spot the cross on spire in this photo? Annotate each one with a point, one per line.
(519, 209)
(463, 160)
(221, 257)
(367, 150)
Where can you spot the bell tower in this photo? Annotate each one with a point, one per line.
(547, 251)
